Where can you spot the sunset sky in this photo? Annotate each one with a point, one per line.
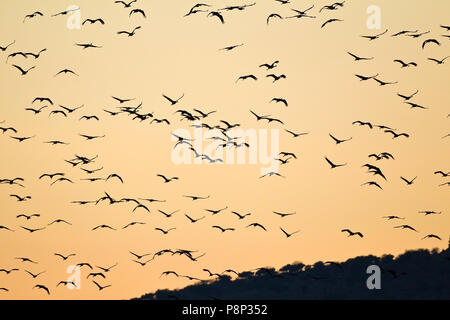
(175, 55)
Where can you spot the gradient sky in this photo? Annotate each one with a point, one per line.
(173, 55)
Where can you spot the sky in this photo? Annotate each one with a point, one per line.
(176, 55)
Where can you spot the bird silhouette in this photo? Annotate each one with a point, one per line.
(333, 166)
(351, 233)
(430, 41)
(173, 102)
(129, 33)
(257, 225)
(330, 21)
(164, 231)
(222, 229)
(22, 71)
(137, 11)
(405, 226)
(42, 287)
(339, 141)
(374, 37)
(100, 288)
(408, 182)
(357, 58)
(216, 14)
(288, 234)
(192, 220)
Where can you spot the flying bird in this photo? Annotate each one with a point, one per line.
(333, 166)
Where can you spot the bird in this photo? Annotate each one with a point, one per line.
(430, 41)
(133, 224)
(278, 100)
(34, 276)
(8, 129)
(273, 15)
(66, 71)
(196, 197)
(137, 11)
(256, 225)
(338, 141)
(36, 111)
(396, 135)
(357, 58)
(173, 102)
(5, 228)
(59, 221)
(28, 217)
(87, 137)
(240, 217)
(229, 48)
(65, 12)
(393, 217)
(19, 198)
(69, 284)
(24, 259)
(64, 257)
(164, 231)
(62, 179)
(138, 256)
(125, 4)
(288, 234)
(383, 83)
(22, 139)
(222, 229)
(270, 66)
(429, 212)
(275, 77)
(333, 166)
(8, 271)
(142, 263)
(35, 55)
(372, 183)
(405, 97)
(168, 215)
(403, 32)
(329, 21)
(140, 205)
(429, 236)
(32, 230)
(7, 46)
(439, 61)
(22, 71)
(93, 21)
(443, 174)
(103, 226)
(89, 118)
(107, 269)
(192, 220)
(100, 288)
(404, 64)
(405, 226)
(167, 180)
(271, 173)
(42, 287)
(408, 182)
(130, 33)
(216, 14)
(169, 272)
(114, 175)
(365, 78)
(214, 212)
(282, 215)
(51, 175)
(248, 76)
(374, 37)
(351, 233)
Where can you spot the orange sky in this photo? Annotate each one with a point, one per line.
(173, 55)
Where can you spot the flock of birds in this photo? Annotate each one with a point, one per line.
(224, 138)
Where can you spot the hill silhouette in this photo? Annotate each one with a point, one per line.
(415, 274)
